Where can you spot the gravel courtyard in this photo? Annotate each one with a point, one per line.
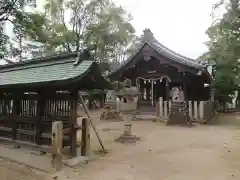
(209, 152)
(206, 152)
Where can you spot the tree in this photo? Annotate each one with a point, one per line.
(10, 8)
(24, 24)
(13, 11)
(98, 24)
(224, 45)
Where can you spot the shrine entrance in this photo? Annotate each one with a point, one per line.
(151, 89)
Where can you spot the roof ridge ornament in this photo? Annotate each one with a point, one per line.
(82, 55)
(77, 59)
(148, 35)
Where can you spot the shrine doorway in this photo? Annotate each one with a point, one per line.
(151, 89)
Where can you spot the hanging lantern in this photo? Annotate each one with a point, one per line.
(154, 82)
(149, 80)
(160, 80)
(144, 81)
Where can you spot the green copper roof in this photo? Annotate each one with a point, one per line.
(43, 71)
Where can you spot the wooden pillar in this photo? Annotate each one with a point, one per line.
(16, 113)
(185, 91)
(102, 100)
(201, 110)
(73, 122)
(195, 110)
(152, 92)
(13, 120)
(40, 114)
(190, 111)
(167, 90)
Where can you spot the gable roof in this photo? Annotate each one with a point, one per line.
(150, 40)
(63, 67)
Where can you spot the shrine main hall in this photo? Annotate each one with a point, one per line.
(157, 71)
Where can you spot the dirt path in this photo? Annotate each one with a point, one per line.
(202, 152)
(167, 153)
(13, 171)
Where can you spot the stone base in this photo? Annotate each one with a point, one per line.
(76, 161)
(110, 115)
(162, 119)
(127, 139)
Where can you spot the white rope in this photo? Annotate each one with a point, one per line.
(152, 79)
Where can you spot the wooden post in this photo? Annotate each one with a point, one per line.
(212, 94)
(89, 116)
(118, 105)
(85, 150)
(190, 111)
(161, 107)
(57, 138)
(195, 110)
(201, 110)
(157, 110)
(165, 109)
(101, 100)
(169, 106)
(79, 136)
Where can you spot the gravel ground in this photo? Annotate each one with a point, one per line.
(13, 171)
(209, 152)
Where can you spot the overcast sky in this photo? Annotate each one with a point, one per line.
(178, 24)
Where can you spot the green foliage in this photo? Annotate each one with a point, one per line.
(66, 26)
(70, 25)
(10, 8)
(12, 11)
(224, 45)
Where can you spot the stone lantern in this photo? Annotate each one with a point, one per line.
(128, 100)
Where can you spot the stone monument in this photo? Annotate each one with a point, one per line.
(128, 106)
(179, 108)
(110, 110)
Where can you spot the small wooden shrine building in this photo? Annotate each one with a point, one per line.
(37, 92)
(155, 69)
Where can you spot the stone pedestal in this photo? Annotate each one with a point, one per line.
(127, 136)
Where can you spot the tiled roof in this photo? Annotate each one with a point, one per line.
(43, 73)
(164, 51)
(48, 69)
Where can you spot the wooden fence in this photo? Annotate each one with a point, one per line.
(199, 111)
(27, 119)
